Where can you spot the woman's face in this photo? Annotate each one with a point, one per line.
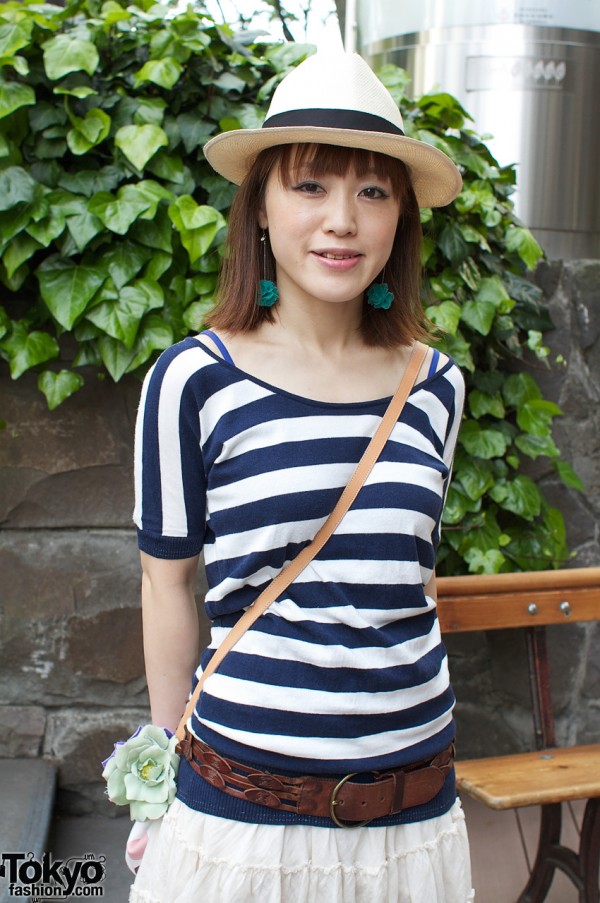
(330, 235)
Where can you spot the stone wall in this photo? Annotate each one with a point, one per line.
(71, 662)
(71, 665)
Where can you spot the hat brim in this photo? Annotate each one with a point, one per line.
(435, 178)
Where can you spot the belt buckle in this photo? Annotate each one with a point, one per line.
(333, 802)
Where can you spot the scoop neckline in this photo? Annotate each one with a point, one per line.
(314, 402)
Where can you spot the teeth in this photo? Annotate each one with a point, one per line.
(337, 256)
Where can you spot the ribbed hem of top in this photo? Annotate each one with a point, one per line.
(198, 794)
(172, 547)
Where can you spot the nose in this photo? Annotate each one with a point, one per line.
(340, 213)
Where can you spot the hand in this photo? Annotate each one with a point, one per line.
(136, 844)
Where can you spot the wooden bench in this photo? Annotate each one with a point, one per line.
(546, 776)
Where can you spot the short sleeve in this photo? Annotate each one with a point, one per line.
(455, 413)
(170, 484)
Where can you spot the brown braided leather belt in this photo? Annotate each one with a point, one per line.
(348, 803)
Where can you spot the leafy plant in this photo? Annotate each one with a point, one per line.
(111, 221)
(491, 318)
(112, 226)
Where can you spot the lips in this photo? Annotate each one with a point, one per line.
(337, 260)
(338, 256)
(335, 254)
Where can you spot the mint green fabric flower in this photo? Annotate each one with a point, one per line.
(141, 772)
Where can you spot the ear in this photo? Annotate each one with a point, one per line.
(263, 222)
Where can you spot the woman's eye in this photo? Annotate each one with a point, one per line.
(309, 187)
(374, 193)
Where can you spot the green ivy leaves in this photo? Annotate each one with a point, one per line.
(67, 288)
(58, 386)
(14, 36)
(16, 188)
(139, 143)
(13, 96)
(481, 442)
(26, 349)
(491, 299)
(121, 315)
(111, 221)
(165, 73)
(66, 53)
(522, 241)
(197, 225)
(88, 131)
(490, 317)
(118, 212)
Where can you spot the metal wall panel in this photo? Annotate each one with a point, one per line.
(536, 89)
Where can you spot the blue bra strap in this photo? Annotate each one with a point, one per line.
(211, 335)
(434, 362)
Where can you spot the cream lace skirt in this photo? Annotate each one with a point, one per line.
(197, 858)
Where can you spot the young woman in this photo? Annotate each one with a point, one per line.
(247, 435)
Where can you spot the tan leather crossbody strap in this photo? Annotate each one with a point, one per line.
(295, 567)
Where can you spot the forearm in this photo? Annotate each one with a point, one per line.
(171, 643)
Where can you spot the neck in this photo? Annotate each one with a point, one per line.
(319, 326)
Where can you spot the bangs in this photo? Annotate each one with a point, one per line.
(332, 160)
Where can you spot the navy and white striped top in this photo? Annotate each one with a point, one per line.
(346, 671)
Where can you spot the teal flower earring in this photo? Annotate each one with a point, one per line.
(379, 295)
(267, 293)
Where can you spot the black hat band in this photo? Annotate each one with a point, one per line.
(354, 120)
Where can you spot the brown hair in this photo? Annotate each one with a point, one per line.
(237, 309)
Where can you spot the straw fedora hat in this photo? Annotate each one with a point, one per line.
(337, 99)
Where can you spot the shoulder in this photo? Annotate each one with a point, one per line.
(443, 383)
(437, 363)
(189, 348)
(454, 375)
(180, 379)
(178, 364)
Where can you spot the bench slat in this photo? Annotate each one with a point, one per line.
(518, 582)
(493, 611)
(534, 778)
